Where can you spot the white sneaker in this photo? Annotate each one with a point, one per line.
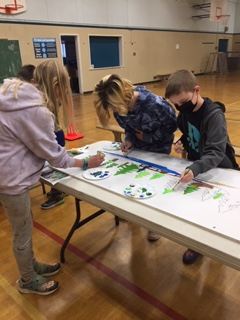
(38, 285)
(153, 236)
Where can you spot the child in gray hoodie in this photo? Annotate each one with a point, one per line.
(27, 141)
(204, 132)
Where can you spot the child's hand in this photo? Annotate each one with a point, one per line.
(186, 176)
(95, 161)
(126, 146)
(178, 147)
(139, 134)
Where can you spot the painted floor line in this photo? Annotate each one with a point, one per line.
(20, 300)
(113, 275)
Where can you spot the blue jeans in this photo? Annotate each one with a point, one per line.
(61, 140)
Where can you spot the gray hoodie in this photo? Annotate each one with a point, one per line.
(27, 139)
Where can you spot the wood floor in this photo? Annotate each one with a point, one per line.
(114, 273)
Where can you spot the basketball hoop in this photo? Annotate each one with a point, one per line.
(224, 19)
(218, 11)
(9, 8)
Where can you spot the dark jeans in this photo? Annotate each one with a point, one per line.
(61, 140)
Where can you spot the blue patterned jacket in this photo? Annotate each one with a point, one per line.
(154, 116)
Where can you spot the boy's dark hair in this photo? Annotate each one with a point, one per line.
(180, 81)
(26, 72)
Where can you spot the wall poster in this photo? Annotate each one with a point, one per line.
(45, 48)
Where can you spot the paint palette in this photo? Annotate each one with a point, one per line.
(96, 174)
(139, 191)
(112, 146)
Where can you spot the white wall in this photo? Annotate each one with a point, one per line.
(151, 45)
(237, 19)
(147, 14)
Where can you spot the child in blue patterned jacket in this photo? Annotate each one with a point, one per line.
(149, 120)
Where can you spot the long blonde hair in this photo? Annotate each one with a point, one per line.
(16, 82)
(112, 90)
(13, 86)
(52, 79)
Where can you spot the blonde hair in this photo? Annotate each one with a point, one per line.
(112, 90)
(16, 82)
(14, 85)
(52, 79)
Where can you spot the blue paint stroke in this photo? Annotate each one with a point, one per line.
(157, 166)
(146, 163)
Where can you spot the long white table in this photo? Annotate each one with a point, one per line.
(225, 249)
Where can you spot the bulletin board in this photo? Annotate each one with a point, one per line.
(11, 60)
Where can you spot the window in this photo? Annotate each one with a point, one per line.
(63, 46)
(105, 51)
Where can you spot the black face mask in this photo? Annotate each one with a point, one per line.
(187, 107)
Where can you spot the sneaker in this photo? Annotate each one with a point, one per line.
(38, 285)
(51, 194)
(153, 236)
(46, 270)
(190, 256)
(52, 202)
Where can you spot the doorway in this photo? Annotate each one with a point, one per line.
(69, 46)
(223, 45)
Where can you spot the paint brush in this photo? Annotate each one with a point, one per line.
(126, 152)
(175, 186)
(100, 154)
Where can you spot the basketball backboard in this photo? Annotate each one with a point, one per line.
(10, 7)
(218, 9)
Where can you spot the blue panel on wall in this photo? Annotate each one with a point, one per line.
(104, 51)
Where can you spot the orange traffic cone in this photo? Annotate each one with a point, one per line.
(72, 134)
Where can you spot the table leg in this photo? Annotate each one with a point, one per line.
(116, 220)
(77, 224)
